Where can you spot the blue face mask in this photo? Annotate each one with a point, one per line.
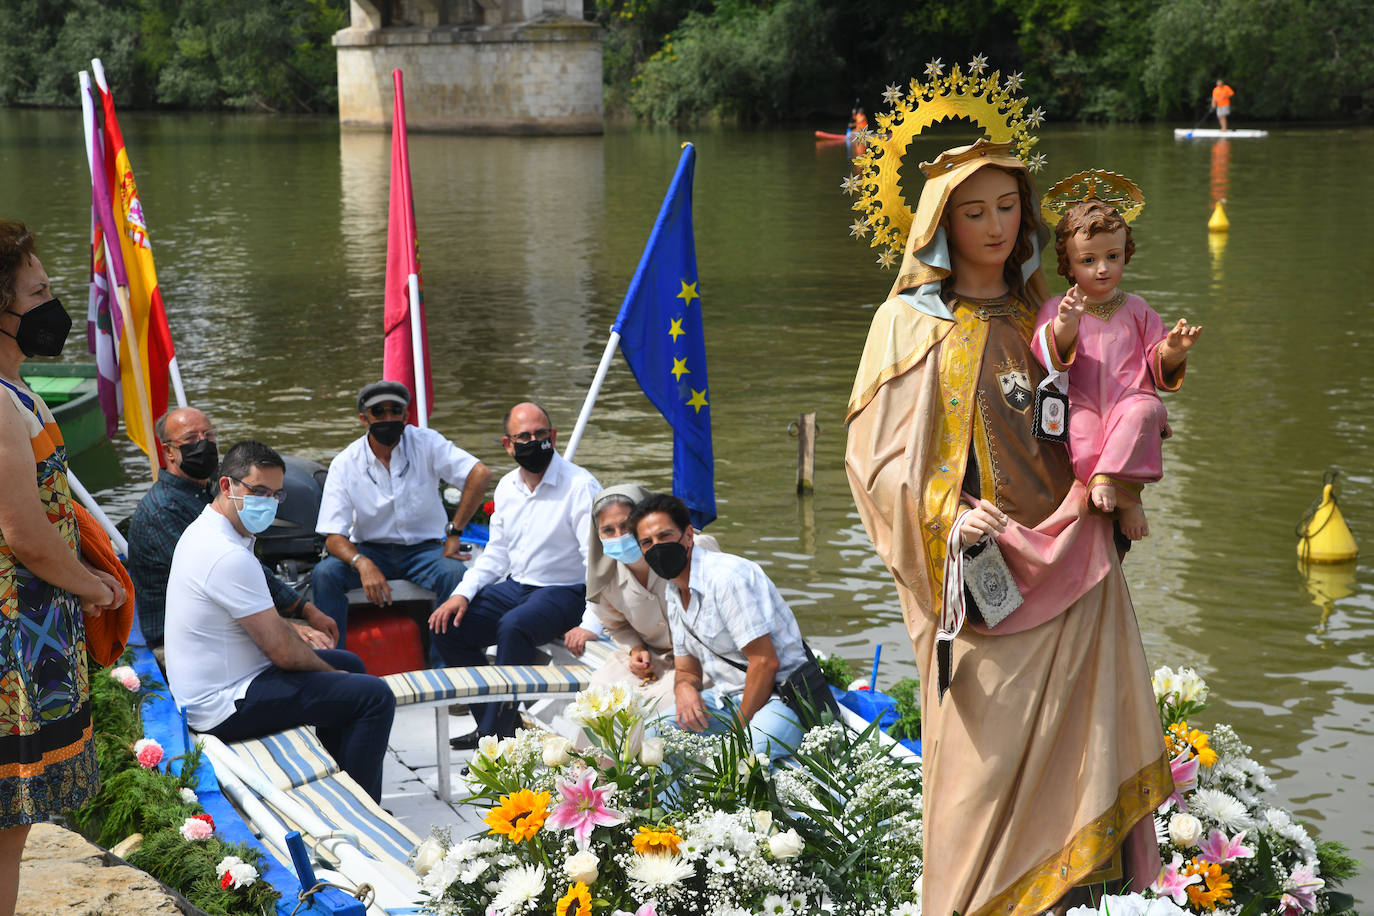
(624, 548)
(257, 512)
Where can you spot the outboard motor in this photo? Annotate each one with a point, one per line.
(290, 545)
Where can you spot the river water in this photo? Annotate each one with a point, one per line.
(270, 241)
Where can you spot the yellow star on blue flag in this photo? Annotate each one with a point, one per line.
(662, 336)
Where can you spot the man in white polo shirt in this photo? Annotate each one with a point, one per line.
(529, 586)
(729, 622)
(236, 667)
(381, 514)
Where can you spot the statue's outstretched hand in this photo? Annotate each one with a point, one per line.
(1182, 336)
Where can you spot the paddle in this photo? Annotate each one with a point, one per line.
(1203, 118)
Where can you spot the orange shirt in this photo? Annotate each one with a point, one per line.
(1221, 95)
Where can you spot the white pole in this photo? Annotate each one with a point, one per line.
(576, 437)
(417, 352)
(121, 545)
(175, 372)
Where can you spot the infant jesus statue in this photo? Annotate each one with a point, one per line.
(1116, 353)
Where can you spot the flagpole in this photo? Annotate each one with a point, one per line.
(121, 545)
(571, 448)
(121, 292)
(175, 372)
(417, 348)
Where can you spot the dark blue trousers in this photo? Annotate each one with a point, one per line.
(351, 712)
(516, 619)
(423, 563)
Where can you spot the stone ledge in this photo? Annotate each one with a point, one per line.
(539, 30)
(62, 874)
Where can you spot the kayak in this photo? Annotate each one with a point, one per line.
(1205, 133)
(827, 135)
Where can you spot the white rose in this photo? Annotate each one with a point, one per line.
(785, 845)
(1185, 830)
(763, 821)
(582, 867)
(557, 751)
(651, 752)
(428, 855)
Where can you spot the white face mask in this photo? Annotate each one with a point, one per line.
(624, 548)
(256, 512)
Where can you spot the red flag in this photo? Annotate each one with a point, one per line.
(402, 346)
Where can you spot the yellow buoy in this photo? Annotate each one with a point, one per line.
(1218, 222)
(1323, 536)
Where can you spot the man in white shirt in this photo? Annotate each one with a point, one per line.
(728, 621)
(381, 513)
(233, 664)
(529, 586)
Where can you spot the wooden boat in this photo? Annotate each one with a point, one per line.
(1212, 133)
(69, 389)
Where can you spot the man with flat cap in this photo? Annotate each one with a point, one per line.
(381, 514)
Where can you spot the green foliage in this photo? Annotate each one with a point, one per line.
(837, 669)
(195, 54)
(907, 693)
(190, 867)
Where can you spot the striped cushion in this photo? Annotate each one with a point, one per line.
(290, 758)
(597, 651)
(442, 684)
(297, 763)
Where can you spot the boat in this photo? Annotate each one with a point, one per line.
(832, 137)
(69, 390)
(1212, 133)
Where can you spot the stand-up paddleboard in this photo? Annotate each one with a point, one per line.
(1207, 133)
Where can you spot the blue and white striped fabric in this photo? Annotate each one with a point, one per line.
(437, 685)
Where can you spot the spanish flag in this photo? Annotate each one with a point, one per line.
(149, 321)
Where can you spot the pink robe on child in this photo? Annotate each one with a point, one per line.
(1117, 422)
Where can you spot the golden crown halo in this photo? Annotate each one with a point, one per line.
(986, 101)
(1118, 190)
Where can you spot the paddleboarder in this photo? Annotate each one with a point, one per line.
(1221, 101)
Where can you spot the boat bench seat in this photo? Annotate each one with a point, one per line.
(441, 687)
(296, 763)
(401, 590)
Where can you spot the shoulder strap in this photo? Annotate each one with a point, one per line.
(23, 398)
(729, 661)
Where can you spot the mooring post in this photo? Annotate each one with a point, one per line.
(806, 452)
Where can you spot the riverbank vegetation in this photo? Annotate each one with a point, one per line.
(763, 60)
(755, 61)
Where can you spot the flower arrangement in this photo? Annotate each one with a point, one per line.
(680, 823)
(139, 793)
(643, 824)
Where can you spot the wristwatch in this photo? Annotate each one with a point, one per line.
(450, 531)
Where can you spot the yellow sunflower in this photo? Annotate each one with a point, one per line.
(1215, 890)
(519, 816)
(576, 902)
(656, 839)
(1181, 738)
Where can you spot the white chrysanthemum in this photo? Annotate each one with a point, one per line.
(519, 886)
(658, 871)
(776, 905)
(1219, 808)
(721, 862)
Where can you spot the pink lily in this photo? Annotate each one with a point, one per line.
(1221, 851)
(1172, 882)
(1300, 891)
(583, 808)
(648, 909)
(1184, 768)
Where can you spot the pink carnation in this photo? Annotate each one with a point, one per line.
(148, 752)
(126, 677)
(194, 828)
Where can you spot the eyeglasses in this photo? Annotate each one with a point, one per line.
(522, 438)
(386, 410)
(208, 436)
(278, 495)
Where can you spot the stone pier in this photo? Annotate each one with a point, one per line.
(473, 66)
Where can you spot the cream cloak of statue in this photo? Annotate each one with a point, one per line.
(1046, 753)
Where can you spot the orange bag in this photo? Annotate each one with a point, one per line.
(108, 634)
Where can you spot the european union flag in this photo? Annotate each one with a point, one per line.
(661, 336)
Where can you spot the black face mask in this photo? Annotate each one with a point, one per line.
(534, 456)
(43, 329)
(387, 432)
(199, 459)
(668, 560)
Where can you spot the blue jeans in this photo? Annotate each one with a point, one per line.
(351, 712)
(774, 730)
(516, 619)
(423, 563)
